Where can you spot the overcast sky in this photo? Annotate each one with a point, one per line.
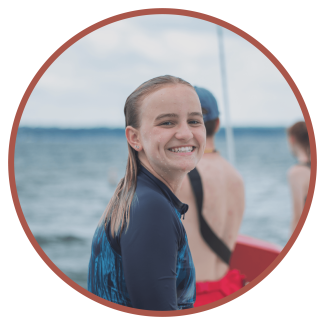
(88, 84)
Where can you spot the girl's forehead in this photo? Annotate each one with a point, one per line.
(170, 97)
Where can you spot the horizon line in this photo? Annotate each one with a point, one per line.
(123, 128)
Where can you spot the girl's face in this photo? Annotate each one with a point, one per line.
(172, 133)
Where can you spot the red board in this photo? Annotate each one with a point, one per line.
(252, 256)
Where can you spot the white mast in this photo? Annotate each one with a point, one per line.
(229, 131)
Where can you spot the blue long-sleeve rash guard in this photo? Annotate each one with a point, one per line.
(149, 264)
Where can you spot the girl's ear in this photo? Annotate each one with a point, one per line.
(133, 138)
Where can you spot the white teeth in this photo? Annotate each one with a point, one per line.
(182, 149)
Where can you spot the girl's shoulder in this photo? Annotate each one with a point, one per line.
(298, 175)
(298, 170)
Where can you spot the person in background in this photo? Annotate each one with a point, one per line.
(299, 174)
(214, 192)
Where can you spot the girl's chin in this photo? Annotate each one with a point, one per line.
(183, 167)
(176, 165)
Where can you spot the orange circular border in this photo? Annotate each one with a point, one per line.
(111, 20)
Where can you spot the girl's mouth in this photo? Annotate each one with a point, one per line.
(182, 149)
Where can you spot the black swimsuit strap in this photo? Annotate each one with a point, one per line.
(214, 242)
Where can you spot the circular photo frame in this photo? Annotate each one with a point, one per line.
(69, 43)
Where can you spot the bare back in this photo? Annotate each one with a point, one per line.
(223, 208)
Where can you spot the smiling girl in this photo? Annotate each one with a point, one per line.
(140, 256)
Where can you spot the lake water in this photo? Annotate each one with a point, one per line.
(65, 179)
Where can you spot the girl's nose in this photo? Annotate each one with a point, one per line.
(184, 132)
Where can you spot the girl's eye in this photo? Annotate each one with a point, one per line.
(168, 123)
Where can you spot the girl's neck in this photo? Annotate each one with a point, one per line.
(303, 158)
(172, 182)
(301, 155)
